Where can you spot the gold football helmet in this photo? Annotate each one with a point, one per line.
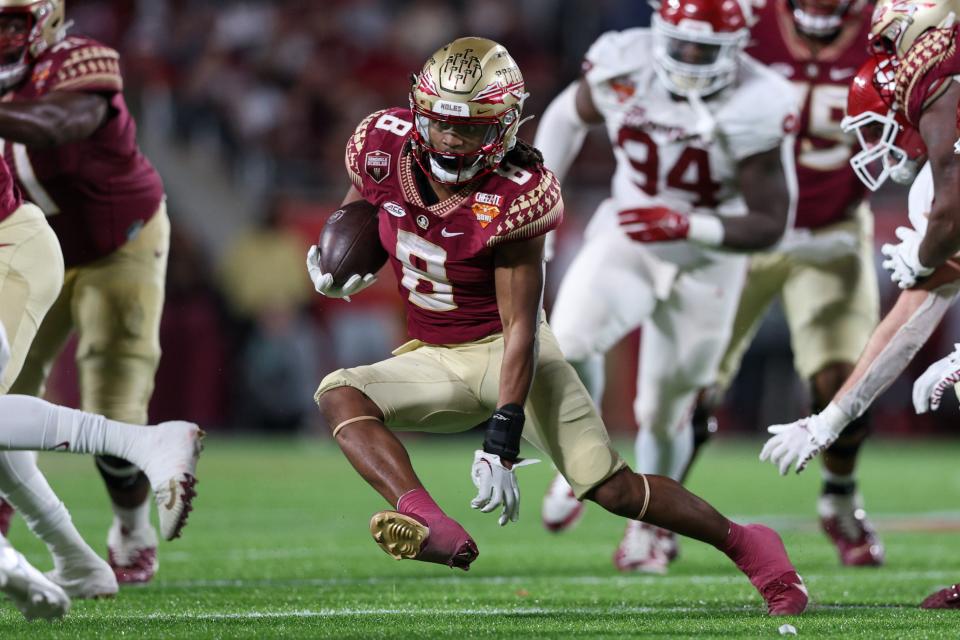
(897, 24)
(469, 94)
(44, 27)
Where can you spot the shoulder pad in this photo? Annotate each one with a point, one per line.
(355, 146)
(533, 211)
(922, 71)
(79, 64)
(616, 53)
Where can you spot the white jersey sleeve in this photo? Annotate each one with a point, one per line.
(760, 113)
(616, 55)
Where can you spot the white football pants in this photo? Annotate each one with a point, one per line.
(615, 285)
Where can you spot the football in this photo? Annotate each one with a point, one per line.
(350, 242)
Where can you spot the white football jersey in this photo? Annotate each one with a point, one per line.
(673, 153)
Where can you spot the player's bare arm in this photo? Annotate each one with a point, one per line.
(764, 188)
(938, 128)
(53, 120)
(519, 284)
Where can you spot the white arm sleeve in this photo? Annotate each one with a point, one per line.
(898, 353)
(561, 133)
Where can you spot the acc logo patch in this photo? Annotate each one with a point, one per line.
(394, 209)
(485, 213)
(377, 165)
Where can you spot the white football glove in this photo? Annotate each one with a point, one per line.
(323, 282)
(799, 442)
(819, 248)
(903, 260)
(929, 388)
(496, 485)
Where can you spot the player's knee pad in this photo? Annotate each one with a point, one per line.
(117, 473)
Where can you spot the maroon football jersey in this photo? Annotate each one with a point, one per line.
(829, 189)
(96, 192)
(442, 254)
(10, 199)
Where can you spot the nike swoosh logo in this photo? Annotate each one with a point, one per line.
(842, 74)
(450, 234)
(173, 495)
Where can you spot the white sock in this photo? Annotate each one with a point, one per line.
(26, 488)
(132, 519)
(32, 424)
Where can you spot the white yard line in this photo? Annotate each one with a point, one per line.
(440, 611)
(520, 580)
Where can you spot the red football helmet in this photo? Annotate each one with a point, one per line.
(696, 43)
(890, 147)
(823, 18)
(42, 25)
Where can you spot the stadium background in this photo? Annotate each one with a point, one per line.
(244, 107)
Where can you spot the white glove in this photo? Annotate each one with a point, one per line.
(799, 442)
(819, 248)
(323, 282)
(496, 485)
(929, 388)
(903, 260)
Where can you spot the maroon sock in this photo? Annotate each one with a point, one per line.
(419, 502)
(731, 545)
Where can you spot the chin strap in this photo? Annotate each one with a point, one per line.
(706, 126)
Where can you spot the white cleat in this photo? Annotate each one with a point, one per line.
(645, 549)
(86, 579)
(169, 458)
(561, 510)
(32, 593)
(132, 553)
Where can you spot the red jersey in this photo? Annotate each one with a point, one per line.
(442, 253)
(98, 192)
(829, 189)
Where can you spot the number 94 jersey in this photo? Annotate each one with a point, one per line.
(671, 152)
(443, 253)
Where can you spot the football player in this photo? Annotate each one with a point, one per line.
(702, 138)
(70, 142)
(823, 272)
(894, 148)
(167, 452)
(464, 207)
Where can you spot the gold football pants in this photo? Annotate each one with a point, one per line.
(114, 304)
(31, 273)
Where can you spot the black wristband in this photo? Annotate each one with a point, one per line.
(502, 436)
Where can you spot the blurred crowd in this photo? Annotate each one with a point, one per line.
(267, 93)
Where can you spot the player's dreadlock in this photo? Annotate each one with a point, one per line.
(524, 155)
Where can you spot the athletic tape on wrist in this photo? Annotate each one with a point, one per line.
(646, 497)
(899, 352)
(345, 423)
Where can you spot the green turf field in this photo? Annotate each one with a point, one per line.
(278, 548)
